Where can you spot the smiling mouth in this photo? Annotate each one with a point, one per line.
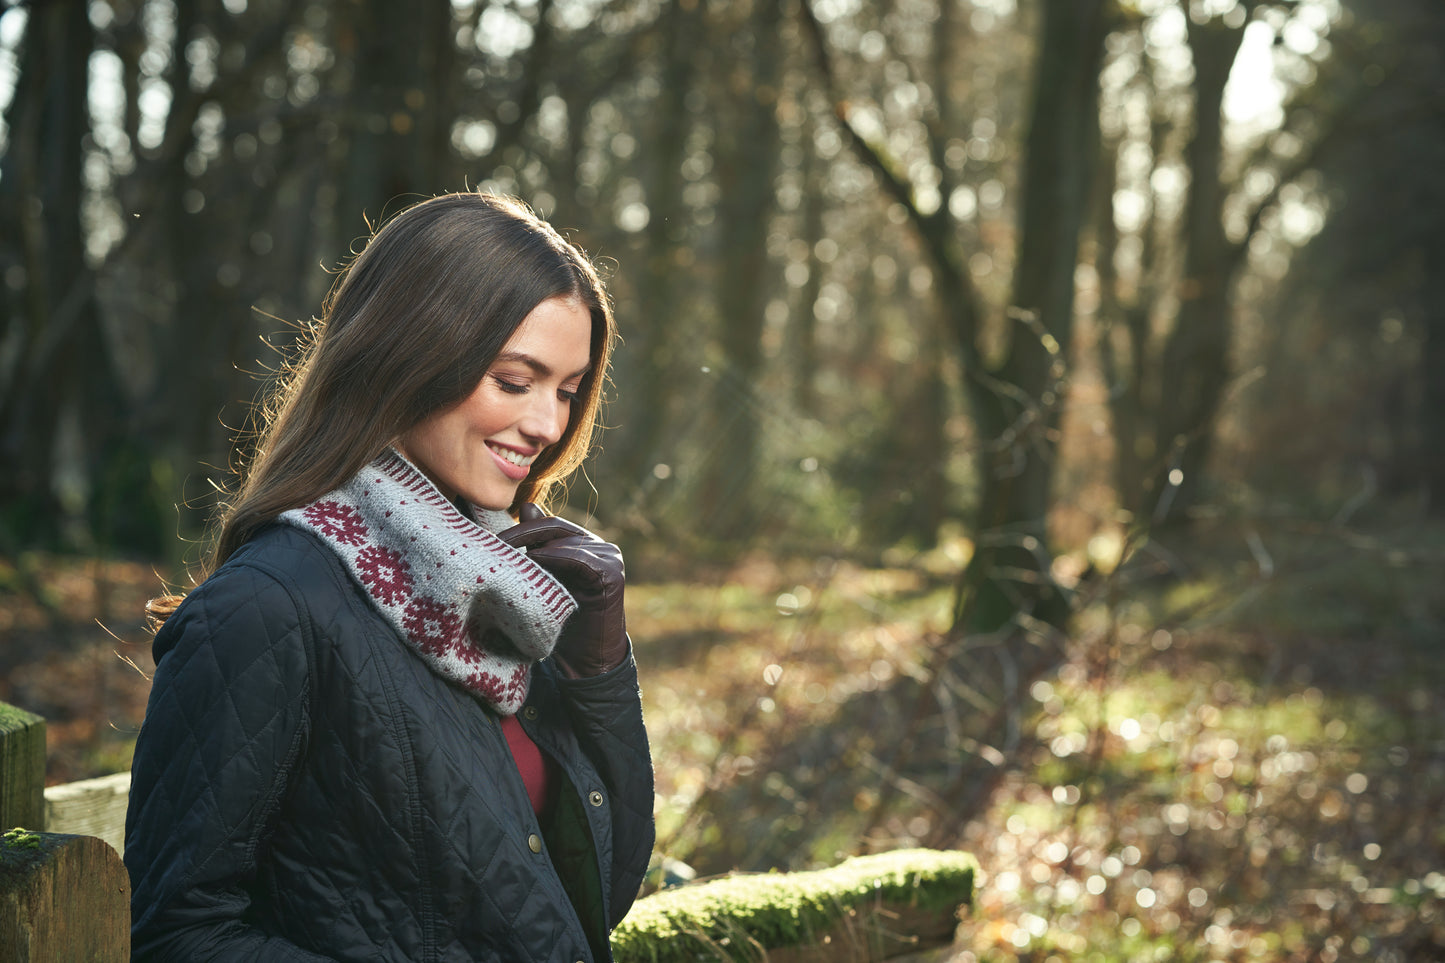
(512, 457)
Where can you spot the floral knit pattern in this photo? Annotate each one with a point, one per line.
(477, 610)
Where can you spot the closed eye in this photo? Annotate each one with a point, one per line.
(510, 387)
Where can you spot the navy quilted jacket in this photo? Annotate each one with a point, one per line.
(305, 788)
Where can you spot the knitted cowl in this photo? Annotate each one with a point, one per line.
(477, 610)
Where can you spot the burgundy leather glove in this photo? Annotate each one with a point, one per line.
(594, 639)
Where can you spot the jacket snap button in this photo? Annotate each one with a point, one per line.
(530, 712)
(534, 843)
(594, 797)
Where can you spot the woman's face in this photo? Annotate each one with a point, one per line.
(482, 448)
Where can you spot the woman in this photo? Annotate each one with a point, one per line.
(393, 723)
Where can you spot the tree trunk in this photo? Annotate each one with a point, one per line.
(802, 322)
(396, 142)
(1194, 366)
(745, 164)
(1432, 364)
(1120, 324)
(61, 346)
(1016, 406)
(662, 290)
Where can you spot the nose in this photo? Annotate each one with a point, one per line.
(545, 420)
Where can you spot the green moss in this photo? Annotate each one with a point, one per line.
(21, 849)
(19, 838)
(730, 917)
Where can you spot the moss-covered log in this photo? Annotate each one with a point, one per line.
(864, 909)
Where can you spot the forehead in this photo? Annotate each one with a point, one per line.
(557, 333)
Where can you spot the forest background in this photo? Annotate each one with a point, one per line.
(1027, 436)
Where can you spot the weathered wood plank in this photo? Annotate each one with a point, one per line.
(62, 898)
(22, 769)
(90, 807)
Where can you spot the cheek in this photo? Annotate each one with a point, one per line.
(489, 411)
(419, 436)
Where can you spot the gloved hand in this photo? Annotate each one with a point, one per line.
(594, 639)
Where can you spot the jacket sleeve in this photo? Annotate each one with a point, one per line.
(607, 715)
(225, 723)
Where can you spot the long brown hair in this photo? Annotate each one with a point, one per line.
(408, 330)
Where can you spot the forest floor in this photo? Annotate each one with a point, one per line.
(1243, 759)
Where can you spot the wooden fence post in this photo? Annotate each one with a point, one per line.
(62, 898)
(22, 769)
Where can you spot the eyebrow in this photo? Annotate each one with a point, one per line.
(542, 370)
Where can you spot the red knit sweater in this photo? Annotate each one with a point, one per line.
(530, 762)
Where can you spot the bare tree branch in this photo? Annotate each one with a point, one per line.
(935, 230)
